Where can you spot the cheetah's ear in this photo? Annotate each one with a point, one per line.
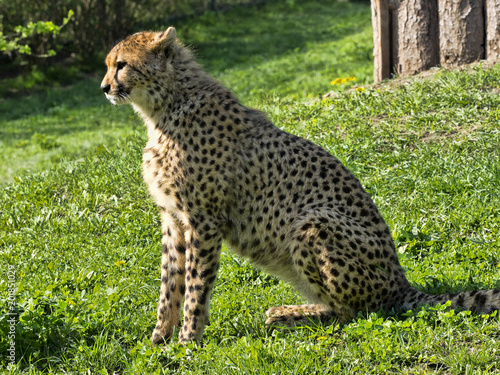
(164, 41)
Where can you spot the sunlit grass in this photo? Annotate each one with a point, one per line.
(84, 237)
(285, 49)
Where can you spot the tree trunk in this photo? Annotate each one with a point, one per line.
(461, 32)
(416, 36)
(382, 48)
(493, 30)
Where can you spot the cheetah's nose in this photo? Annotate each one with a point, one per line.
(105, 88)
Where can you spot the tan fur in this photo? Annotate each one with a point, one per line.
(219, 170)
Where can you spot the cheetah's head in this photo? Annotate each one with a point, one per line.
(140, 69)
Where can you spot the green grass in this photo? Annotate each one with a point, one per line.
(84, 239)
(60, 124)
(290, 49)
(83, 236)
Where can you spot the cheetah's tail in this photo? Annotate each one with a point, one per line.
(479, 301)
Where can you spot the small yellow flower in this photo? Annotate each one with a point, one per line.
(341, 81)
(360, 89)
(119, 263)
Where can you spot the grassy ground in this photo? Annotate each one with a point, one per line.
(288, 49)
(83, 237)
(84, 241)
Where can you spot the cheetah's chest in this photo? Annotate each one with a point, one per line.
(161, 171)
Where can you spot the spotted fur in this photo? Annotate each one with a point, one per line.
(221, 171)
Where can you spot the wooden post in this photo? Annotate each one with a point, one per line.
(382, 48)
(413, 35)
(461, 32)
(493, 30)
(417, 36)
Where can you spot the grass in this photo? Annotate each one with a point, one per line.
(60, 124)
(83, 236)
(290, 49)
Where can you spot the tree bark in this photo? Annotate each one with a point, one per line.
(382, 48)
(493, 30)
(461, 32)
(416, 36)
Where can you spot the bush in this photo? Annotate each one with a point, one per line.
(17, 42)
(96, 24)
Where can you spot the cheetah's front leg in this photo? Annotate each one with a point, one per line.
(202, 263)
(172, 289)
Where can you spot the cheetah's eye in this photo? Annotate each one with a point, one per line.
(120, 65)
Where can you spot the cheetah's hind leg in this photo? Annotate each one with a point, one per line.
(297, 315)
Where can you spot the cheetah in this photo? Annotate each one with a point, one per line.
(221, 171)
